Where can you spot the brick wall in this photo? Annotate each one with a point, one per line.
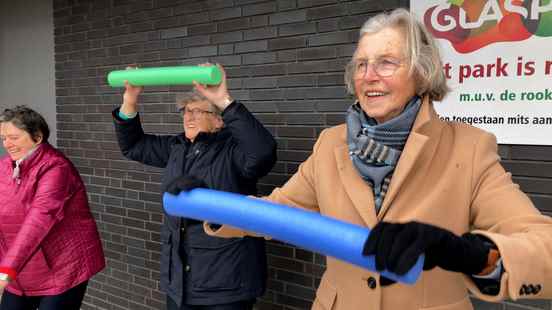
(285, 61)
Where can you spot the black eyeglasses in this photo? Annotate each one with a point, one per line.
(383, 67)
(195, 112)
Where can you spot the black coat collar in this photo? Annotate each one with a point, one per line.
(208, 137)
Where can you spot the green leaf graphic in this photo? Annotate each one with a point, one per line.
(456, 2)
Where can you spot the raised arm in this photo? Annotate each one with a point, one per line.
(255, 148)
(134, 143)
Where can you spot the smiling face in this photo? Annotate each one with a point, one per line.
(199, 118)
(16, 142)
(383, 98)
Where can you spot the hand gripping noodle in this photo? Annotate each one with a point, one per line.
(306, 229)
(210, 75)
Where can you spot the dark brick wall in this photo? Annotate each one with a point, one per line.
(285, 61)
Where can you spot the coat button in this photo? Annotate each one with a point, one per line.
(526, 289)
(371, 282)
(188, 268)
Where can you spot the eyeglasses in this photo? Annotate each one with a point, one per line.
(195, 112)
(383, 67)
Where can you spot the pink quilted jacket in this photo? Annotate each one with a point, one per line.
(48, 237)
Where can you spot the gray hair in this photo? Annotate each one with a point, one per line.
(422, 53)
(183, 99)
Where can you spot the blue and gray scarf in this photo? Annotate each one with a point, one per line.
(376, 148)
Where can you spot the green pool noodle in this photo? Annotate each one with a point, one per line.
(181, 75)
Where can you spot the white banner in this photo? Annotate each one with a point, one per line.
(497, 56)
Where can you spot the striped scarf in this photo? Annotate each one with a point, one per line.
(375, 148)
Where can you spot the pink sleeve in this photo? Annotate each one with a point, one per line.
(47, 207)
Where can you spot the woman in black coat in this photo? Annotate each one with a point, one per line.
(223, 147)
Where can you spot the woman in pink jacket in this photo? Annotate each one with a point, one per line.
(49, 243)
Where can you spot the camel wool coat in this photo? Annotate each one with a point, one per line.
(449, 175)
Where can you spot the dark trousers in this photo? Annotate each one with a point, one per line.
(240, 305)
(68, 300)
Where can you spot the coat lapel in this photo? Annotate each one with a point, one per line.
(357, 189)
(419, 148)
(404, 167)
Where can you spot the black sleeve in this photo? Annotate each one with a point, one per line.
(488, 286)
(136, 145)
(255, 151)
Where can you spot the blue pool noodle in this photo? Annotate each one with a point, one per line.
(306, 229)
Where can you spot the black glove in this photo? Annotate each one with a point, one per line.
(184, 183)
(397, 247)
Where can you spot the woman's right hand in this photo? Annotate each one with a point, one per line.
(130, 97)
(3, 285)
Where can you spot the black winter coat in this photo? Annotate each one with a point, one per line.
(198, 269)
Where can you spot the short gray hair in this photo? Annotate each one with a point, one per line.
(422, 52)
(183, 99)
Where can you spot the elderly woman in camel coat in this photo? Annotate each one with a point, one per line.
(423, 185)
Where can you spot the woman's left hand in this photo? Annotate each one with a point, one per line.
(396, 247)
(216, 94)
